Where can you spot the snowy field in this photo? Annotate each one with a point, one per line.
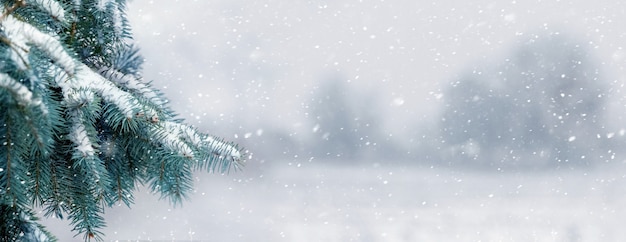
(309, 202)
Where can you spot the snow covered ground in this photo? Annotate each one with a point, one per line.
(313, 202)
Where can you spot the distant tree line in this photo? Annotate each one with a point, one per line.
(544, 106)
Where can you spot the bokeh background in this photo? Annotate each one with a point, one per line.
(391, 120)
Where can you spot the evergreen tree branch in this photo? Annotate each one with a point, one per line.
(133, 85)
(26, 33)
(90, 129)
(21, 225)
(17, 51)
(53, 8)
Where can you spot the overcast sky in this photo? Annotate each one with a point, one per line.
(242, 65)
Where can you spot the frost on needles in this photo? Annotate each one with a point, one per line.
(79, 128)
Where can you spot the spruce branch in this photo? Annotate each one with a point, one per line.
(17, 51)
(90, 129)
(53, 8)
(27, 34)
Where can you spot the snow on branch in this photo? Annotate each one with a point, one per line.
(216, 147)
(101, 5)
(80, 137)
(86, 107)
(22, 95)
(79, 84)
(113, 10)
(170, 137)
(19, 50)
(184, 140)
(224, 149)
(18, 31)
(131, 83)
(187, 133)
(87, 78)
(117, 19)
(52, 7)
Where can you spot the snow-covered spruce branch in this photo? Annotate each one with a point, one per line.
(80, 137)
(81, 83)
(182, 137)
(124, 101)
(33, 107)
(22, 34)
(89, 127)
(20, 93)
(133, 85)
(223, 149)
(175, 136)
(113, 7)
(52, 7)
(85, 77)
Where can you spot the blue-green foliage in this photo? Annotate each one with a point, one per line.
(79, 128)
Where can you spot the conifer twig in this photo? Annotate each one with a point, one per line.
(15, 47)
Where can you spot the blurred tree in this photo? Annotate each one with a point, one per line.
(79, 128)
(542, 107)
(346, 123)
